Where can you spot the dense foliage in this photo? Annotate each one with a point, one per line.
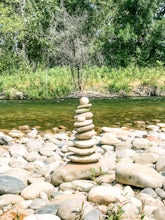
(78, 34)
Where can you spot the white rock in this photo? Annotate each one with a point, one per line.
(81, 119)
(16, 134)
(160, 165)
(92, 158)
(42, 217)
(19, 149)
(78, 185)
(104, 195)
(85, 128)
(87, 115)
(161, 125)
(126, 153)
(109, 139)
(81, 110)
(84, 101)
(139, 175)
(144, 158)
(85, 135)
(33, 133)
(84, 143)
(78, 124)
(33, 145)
(10, 199)
(33, 191)
(141, 143)
(81, 151)
(128, 192)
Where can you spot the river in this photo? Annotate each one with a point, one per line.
(113, 112)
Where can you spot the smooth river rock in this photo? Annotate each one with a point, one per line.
(42, 217)
(80, 151)
(10, 185)
(85, 135)
(79, 124)
(33, 190)
(73, 171)
(104, 195)
(109, 139)
(139, 175)
(91, 158)
(84, 143)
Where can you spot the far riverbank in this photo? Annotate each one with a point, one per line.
(56, 83)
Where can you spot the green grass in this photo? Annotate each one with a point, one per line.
(57, 82)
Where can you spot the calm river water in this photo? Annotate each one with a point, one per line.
(107, 112)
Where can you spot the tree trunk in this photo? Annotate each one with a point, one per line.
(73, 77)
(79, 79)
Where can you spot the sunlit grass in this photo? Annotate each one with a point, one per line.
(57, 82)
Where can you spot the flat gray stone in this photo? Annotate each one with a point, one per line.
(10, 185)
(48, 209)
(160, 193)
(94, 214)
(150, 192)
(38, 203)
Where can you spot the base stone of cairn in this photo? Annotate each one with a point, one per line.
(84, 149)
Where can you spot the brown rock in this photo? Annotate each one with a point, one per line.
(73, 171)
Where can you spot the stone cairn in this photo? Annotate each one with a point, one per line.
(84, 149)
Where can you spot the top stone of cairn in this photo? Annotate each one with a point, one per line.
(84, 101)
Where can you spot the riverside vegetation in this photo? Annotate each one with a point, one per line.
(99, 81)
(107, 47)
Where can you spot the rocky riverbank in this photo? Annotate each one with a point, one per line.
(38, 182)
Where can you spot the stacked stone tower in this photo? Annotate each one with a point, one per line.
(84, 149)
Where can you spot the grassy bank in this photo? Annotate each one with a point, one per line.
(57, 82)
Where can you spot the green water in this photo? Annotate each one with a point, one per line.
(107, 112)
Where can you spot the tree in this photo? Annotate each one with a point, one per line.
(23, 28)
(11, 33)
(130, 38)
(70, 45)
